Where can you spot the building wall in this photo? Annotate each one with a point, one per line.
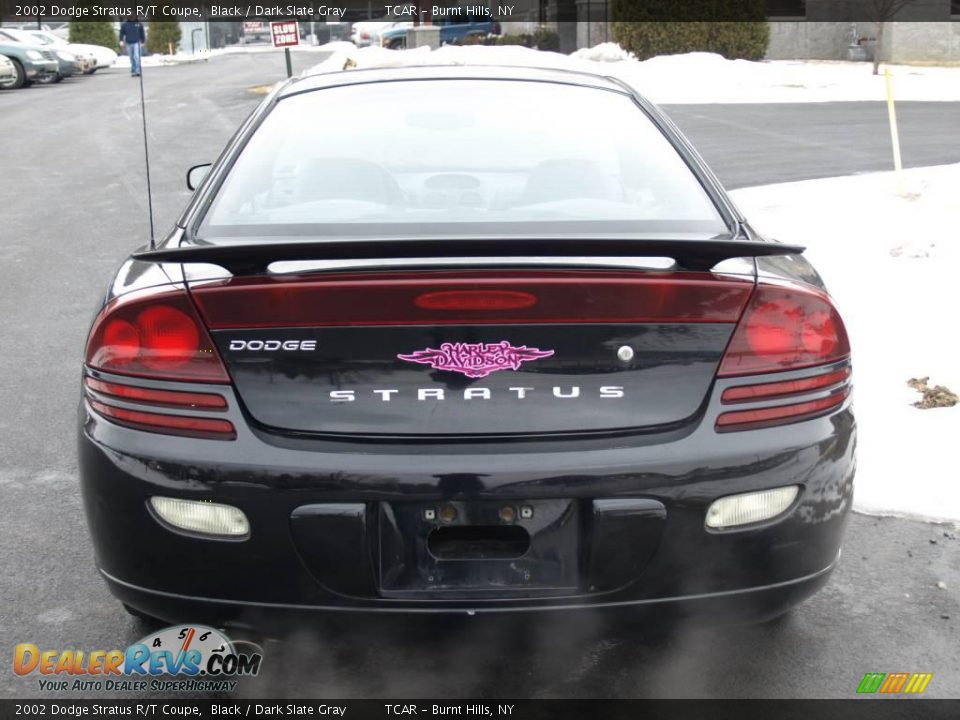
(191, 41)
(810, 40)
(933, 42)
(930, 36)
(919, 42)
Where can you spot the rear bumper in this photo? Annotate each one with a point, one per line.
(750, 605)
(670, 561)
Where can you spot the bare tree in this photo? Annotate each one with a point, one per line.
(882, 12)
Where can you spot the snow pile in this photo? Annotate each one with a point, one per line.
(179, 58)
(688, 78)
(352, 57)
(157, 60)
(604, 52)
(888, 251)
(335, 46)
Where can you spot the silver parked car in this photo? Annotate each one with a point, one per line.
(68, 64)
(97, 56)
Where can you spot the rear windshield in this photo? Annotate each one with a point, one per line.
(405, 158)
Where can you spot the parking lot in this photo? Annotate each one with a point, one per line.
(73, 203)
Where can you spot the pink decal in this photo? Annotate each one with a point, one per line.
(476, 360)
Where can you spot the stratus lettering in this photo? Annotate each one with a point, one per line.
(606, 392)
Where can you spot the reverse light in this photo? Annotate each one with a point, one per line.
(207, 518)
(748, 508)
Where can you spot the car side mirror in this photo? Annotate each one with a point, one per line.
(196, 175)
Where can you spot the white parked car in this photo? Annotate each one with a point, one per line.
(102, 57)
(8, 73)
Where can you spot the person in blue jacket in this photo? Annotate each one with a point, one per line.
(133, 36)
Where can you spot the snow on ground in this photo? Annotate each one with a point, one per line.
(604, 52)
(179, 58)
(689, 78)
(889, 253)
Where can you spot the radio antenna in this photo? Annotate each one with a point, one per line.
(146, 157)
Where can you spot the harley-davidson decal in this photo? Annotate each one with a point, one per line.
(476, 360)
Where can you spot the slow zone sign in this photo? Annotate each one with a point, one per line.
(285, 34)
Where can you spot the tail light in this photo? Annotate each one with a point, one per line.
(190, 426)
(160, 398)
(784, 388)
(785, 327)
(156, 334)
(780, 414)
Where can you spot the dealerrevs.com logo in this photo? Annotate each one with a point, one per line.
(199, 658)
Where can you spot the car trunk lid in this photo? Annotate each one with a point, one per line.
(473, 352)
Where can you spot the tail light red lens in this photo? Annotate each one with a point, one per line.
(780, 414)
(785, 388)
(156, 334)
(162, 398)
(209, 428)
(785, 327)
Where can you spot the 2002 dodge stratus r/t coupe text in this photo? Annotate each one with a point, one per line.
(464, 339)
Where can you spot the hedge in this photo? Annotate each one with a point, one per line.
(162, 35)
(735, 40)
(94, 32)
(542, 39)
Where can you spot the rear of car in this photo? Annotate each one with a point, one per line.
(559, 374)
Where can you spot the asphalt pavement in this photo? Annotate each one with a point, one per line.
(73, 203)
(755, 144)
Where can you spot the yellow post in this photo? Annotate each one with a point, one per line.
(894, 134)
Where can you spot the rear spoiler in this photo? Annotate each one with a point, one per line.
(245, 259)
